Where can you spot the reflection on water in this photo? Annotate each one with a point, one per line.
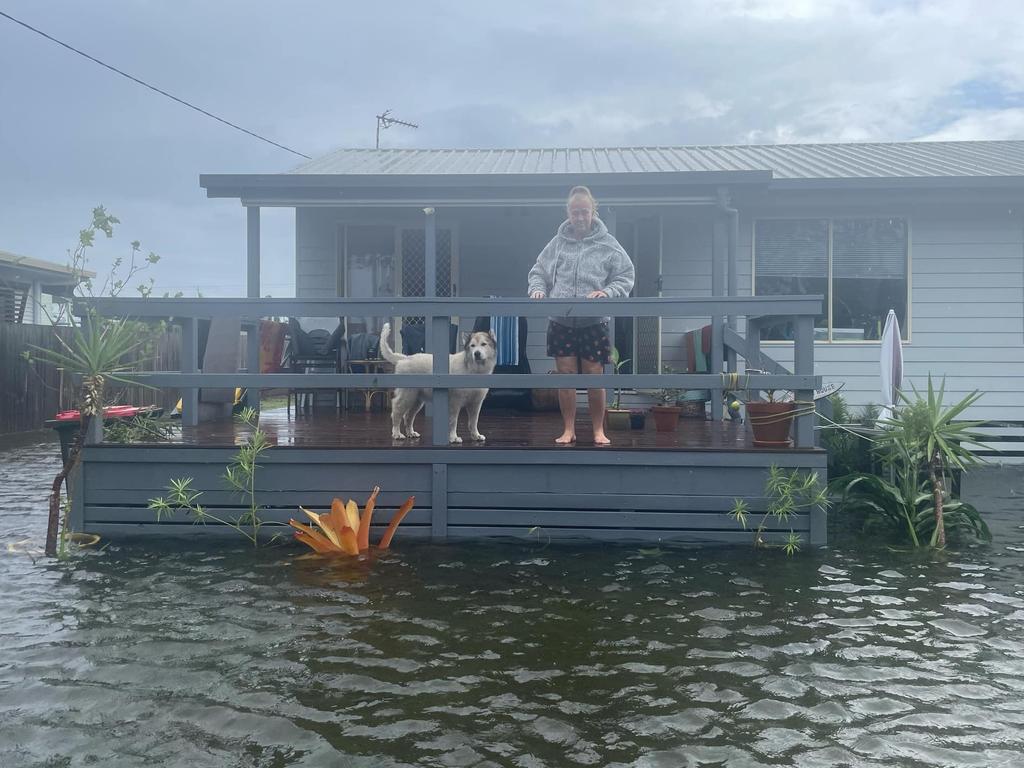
(503, 654)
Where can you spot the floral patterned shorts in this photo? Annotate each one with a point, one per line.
(590, 342)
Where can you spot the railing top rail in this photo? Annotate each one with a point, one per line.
(638, 381)
(138, 307)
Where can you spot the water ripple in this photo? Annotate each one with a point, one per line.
(494, 654)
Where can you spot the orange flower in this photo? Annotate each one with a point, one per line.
(342, 530)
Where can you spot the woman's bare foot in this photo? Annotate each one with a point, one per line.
(567, 438)
(600, 439)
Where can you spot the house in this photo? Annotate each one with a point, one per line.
(24, 283)
(791, 256)
(934, 230)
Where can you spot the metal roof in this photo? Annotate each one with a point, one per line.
(49, 268)
(938, 159)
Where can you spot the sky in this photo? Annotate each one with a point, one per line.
(312, 75)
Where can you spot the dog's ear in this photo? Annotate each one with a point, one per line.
(493, 338)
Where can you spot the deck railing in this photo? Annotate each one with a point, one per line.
(758, 311)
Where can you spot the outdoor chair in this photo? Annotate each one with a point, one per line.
(414, 338)
(312, 351)
(363, 356)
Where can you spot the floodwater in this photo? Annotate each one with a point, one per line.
(503, 654)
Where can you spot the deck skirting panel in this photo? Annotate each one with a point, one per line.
(597, 494)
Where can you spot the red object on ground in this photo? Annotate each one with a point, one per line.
(271, 346)
(113, 411)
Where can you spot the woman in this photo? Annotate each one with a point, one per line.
(582, 259)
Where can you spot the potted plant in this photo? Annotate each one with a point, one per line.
(771, 419)
(637, 418)
(666, 412)
(692, 406)
(618, 417)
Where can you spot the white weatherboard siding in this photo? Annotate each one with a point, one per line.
(967, 281)
(316, 261)
(967, 313)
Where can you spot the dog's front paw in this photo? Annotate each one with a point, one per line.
(479, 437)
(413, 433)
(397, 435)
(454, 439)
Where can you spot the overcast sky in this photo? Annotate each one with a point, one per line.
(312, 75)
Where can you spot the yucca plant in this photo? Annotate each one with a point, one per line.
(98, 351)
(920, 445)
(923, 433)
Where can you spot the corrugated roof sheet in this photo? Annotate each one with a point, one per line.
(786, 161)
(13, 259)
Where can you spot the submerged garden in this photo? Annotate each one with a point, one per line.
(899, 644)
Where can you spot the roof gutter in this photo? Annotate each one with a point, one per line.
(341, 188)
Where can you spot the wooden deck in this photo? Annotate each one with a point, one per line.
(647, 485)
(504, 429)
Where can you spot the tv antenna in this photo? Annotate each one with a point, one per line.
(385, 122)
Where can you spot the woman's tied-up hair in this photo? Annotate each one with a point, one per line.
(581, 191)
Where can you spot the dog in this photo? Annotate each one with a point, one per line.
(478, 356)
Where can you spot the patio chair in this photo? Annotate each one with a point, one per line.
(363, 356)
(414, 338)
(316, 350)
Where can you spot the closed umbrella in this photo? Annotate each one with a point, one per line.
(892, 365)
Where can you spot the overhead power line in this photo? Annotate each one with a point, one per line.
(153, 87)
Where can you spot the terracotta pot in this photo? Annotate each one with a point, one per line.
(666, 417)
(771, 423)
(692, 409)
(617, 419)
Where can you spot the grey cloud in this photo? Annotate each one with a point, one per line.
(313, 74)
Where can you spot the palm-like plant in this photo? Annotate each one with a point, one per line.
(97, 351)
(921, 443)
(923, 433)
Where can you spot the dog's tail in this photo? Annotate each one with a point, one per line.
(385, 349)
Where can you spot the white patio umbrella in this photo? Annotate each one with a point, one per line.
(892, 365)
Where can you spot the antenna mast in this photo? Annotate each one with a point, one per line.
(384, 122)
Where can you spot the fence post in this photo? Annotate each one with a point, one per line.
(753, 353)
(252, 362)
(189, 364)
(439, 350)
(803, 365)
(719, 244)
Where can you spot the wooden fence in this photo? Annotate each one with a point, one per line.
(32, 390)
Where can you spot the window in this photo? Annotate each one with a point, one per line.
(858, 265)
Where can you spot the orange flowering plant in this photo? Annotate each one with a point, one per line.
(344, 530)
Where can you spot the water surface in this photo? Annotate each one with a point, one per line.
(503, 654)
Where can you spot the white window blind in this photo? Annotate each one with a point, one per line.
(869, 248)
(791, 248)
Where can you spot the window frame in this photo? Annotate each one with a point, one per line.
(907, 331)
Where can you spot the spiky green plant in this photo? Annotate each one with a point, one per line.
(920, 445)
(98, 351)
(240, 475)
(927, 434)
(789, 493)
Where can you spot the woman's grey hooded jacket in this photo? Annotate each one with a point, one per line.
(571, 268)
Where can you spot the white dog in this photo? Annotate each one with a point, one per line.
(478, 356)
